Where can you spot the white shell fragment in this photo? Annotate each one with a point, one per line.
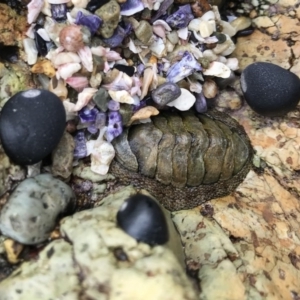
(34, 8)
(64, 58)
(232, 63)
(86, 57)
(102, 153)
(184, 102)
(206, 28)
(30, 50)
(121, 96)
(217, 69)
(84, 98)
(67, 70)
(227, 28)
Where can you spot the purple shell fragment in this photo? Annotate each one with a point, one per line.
(93, 22)
(114, 127)
(131, 7)
(117, 38)
(162, 9)
(113, 105)
(87, 115)
(100, 120)
(200, 104)
(80, 150)
(59, 12)
(181, 18)
(183, 68)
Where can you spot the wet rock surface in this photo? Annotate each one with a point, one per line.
(99, 260)
(31, 211)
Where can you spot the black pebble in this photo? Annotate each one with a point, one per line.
(269, 89)
(129, 70)
(142, 218)
(31, 125)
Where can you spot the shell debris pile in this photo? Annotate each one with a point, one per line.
(115, 63)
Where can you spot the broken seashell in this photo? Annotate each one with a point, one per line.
(208, 16)
(227, 28)
(30, 50)
(158, 48)
(144, 113)
(86, 57)
(217, 69)
(184, 102)
(102, 153)
(121, 96)
(210, 89)
(206, 28)
(34, 8)
(84, 98)
(183, 33)
(232, 63)
(65, 58)
(225, 48)
(147, 80)
(67, 70)
(78, 83)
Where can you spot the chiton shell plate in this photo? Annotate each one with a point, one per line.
(184, 159)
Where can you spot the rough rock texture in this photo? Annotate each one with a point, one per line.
(261, 47)
(11, 26)
(9, 173)
(33, 208)
(99, 261)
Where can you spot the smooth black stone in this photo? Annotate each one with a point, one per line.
(142, 218)
(31, 125)
(269, 89)
(129, 70)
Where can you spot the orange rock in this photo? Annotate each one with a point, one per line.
(44, 67)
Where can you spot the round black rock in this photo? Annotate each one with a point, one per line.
(31, 125)
(269, 89)
(142, 218)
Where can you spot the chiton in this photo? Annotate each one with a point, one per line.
(184, 159)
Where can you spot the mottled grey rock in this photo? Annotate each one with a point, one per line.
(32, 209)
(101, 99)
(166, 93)
(100, 262)
(109, 14)
(62, 156)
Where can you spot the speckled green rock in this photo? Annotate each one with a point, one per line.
(16, 79)
(109, 14)
(31, 211)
